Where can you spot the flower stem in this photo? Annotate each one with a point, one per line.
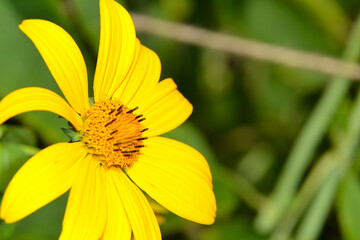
(307, 142)
(344, 157)
(321, 185)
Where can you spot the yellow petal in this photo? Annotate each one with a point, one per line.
(37, 99)
(86, 211)
(116, 50)
(117, 225)
(164, 108)
(63, 58)
(142, 218)
(43, 178)
(176, 176)
(142, 78)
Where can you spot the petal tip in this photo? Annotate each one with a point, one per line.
(21, 25)
(2, 212)
(26, 22)
(191, 108)
(209, 219)
(5, 221)
(206, 220)
(6, 218)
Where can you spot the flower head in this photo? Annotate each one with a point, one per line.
(117, 150)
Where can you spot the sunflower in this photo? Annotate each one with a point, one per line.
(115, 149)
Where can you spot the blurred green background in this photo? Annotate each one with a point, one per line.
(282, 143)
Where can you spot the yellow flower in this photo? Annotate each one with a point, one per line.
(115, 150)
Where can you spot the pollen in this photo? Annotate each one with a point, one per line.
(113, 133)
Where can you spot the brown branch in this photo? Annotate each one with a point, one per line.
(244, 47)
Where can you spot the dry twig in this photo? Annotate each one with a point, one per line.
(244, 47)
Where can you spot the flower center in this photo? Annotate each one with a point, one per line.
(113, 132)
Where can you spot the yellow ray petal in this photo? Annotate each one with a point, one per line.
(142, 78)
(142, 218)
(63, 58)
(116, 50)
(117, 225)
(86, 210)
(37, 99)
(164, 108)
(42, 179)
(178, 177)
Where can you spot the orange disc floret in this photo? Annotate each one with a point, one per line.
(113, 132)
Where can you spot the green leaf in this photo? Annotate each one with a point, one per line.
(348, 207)
(12, 157)
(16, 146)
(44, 224)
(17, 134)
(73, 135)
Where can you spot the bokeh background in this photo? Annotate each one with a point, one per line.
(248, 114)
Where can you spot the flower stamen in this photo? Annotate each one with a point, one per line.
(132, 110)
(113, 133)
